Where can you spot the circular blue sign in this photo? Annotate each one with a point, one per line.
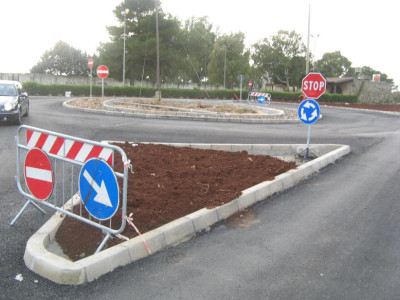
(261, 99)
(99, 189)
(308, 111)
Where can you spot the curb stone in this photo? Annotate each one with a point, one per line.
(60, 270)
(237, 118)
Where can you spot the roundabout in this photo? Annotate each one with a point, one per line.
(204, 110)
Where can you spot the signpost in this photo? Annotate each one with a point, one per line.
(90, 66)
(39, 174)
(102, 72)
(313, 86)
(99, 189)
(251, 83)
(240, 79)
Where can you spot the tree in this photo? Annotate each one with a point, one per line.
(368, 71)
(198, 41)
(63, 59)
(281, 59)
(334, 64)
(228, 60)
(141, 43)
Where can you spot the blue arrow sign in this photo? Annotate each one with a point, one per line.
(308, 111)
(99, 189)
(261, 99)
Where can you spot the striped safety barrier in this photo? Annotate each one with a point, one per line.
(256, 94)
(50, 163)
(66, 148)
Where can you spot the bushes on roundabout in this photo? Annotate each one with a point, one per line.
(37, 89)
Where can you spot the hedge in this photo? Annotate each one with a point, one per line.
(34, 88)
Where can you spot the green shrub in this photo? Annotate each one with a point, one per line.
(38, 89)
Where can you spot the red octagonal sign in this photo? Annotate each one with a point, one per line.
(39, 174)
(102, 71)
(313, 85)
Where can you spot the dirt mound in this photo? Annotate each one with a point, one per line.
(171, 182)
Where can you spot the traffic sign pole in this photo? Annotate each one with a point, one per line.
(90, 65)
(102, 72)
(102, 87)
(91, 78)
(308, 142)
(308, 113)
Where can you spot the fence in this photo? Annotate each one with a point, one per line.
(255, 95)
(48, 164)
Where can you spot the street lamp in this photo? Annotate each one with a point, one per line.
(315, 55)
(225, 69)
(124, 13)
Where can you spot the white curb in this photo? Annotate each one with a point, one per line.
(58, 269)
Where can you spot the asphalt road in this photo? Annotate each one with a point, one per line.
(334, 236)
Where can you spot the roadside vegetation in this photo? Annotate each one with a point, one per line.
(194, 52)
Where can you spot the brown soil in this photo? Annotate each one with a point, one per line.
(165, 106)
(96, 103)
(171, 182)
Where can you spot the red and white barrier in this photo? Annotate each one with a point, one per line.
(67, 148)
(256, 94)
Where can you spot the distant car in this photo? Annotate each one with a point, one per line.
(14, 101)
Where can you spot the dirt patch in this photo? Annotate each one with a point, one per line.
(96, 103)
(171, 182)
(189, 107)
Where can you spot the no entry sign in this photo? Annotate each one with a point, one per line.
(313, 85)
(90, 63)
(39, 174)
(102, 71)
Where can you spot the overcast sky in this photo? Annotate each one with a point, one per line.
(366, 32)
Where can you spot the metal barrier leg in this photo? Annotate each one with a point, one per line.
(23, 208)
(38, 207)
(103, 242)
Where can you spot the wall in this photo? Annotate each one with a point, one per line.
(52, 79)
(372, 92)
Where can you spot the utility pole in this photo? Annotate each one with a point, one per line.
(158, 92)
(308, 42)
(315, 52)
(225, 69)
(124, 13)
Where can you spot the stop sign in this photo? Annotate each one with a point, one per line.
(102, 71)
(313, 85)
(90, 63)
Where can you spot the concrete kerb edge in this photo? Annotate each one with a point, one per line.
(61, 270)
(109, 110)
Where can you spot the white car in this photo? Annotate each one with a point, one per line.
(14, 101)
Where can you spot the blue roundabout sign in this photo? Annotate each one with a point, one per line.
(308, 111)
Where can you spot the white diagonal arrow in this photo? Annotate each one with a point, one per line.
(102, 194)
